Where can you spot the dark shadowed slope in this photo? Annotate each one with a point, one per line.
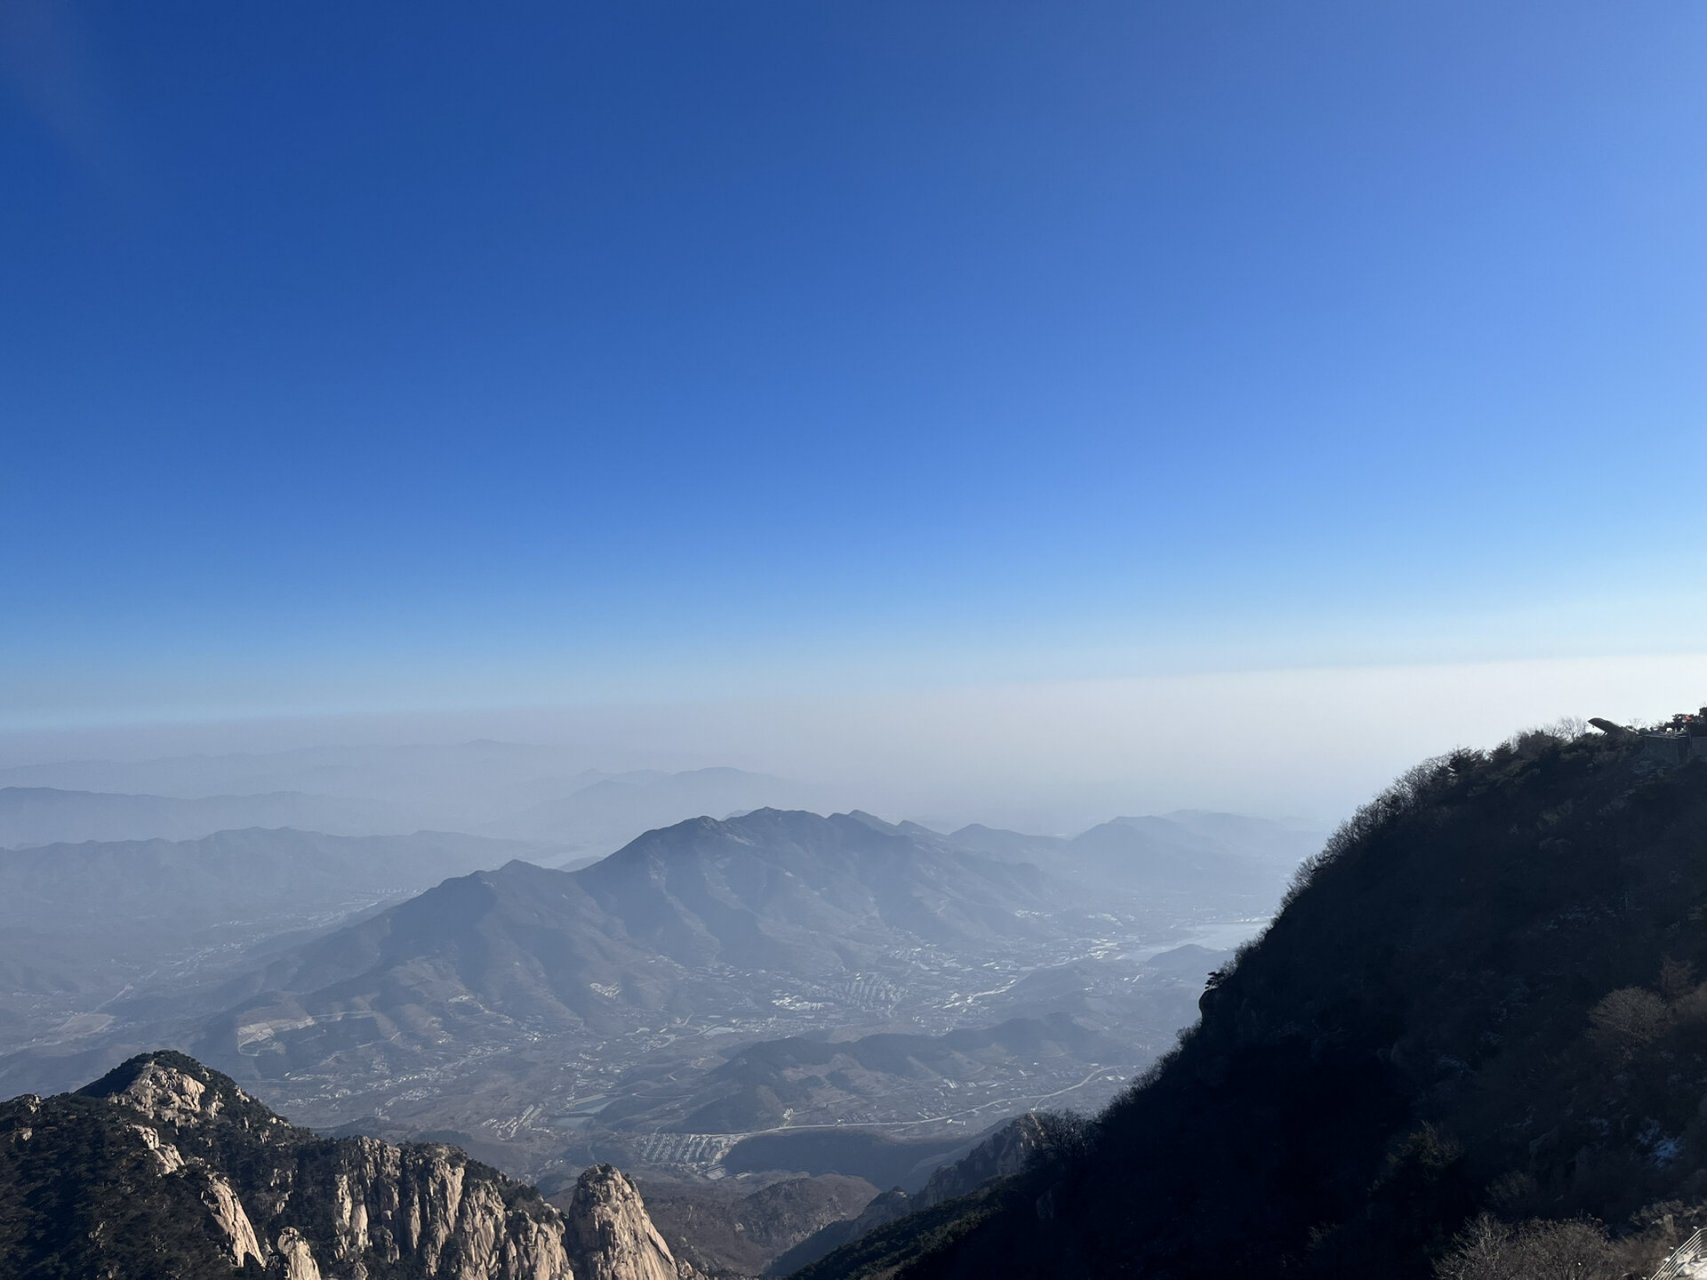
(1487, 999)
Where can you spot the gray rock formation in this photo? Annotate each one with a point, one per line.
(165, 1168)
(610, 1234)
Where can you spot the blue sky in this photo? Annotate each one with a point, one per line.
(370, 357)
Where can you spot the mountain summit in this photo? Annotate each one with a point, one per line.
(683, 921)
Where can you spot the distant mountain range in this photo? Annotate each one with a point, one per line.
(1190, 855)
(399, 774)
(82, 924)
(491, 788)
(46, 815)
(611, 810)
(523, 982)
(239, 884)
(676, 924)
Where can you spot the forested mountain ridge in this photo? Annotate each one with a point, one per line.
(1479, 1019)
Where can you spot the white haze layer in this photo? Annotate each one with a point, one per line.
(1043, 756)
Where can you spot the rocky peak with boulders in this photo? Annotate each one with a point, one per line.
(164, 1168)
(610, 1234)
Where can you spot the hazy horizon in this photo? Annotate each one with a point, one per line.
(827, 390)
(1306, 743)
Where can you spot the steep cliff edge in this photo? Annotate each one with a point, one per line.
(164, 1168)
(610, 1234)
(1474, 1043)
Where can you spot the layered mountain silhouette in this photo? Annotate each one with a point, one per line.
(97, 918)
(677, 922)
(47, 815)
(1196, 858)
(513, 790)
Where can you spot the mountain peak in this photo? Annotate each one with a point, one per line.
(871, 820)
(173, 1088)
(610, 1233)
(189, 1197)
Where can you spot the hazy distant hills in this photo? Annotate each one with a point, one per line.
(250, 878)
(777, 889)
(48, 815)
(1190, 853)
(1196, 860)
(1013, 846)
(392, 773)
(490, 788)
(546, 793)
(676, 923)
(613, 809)
(510, 1003)
(100, 917)
(475, 957)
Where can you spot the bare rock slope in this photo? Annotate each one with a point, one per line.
(164, 1168)
(611, 1235)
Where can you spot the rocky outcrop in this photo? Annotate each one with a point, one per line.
(611, 1235)
(231, 1221)
(298, 1257)
(165, 1168)
(431, 1205)
(1004, 1153)
(167, 1094)
(164, 1152)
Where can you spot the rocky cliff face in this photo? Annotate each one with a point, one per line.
(166, 1169)
(610, 1234)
